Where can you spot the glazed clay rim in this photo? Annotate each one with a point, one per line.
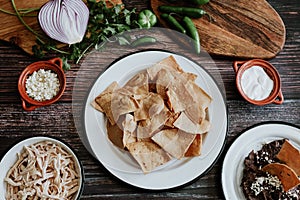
(270, 70)
(54, 65)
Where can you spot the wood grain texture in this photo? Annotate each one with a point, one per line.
(58, 120)
(243, 29)
(100, 184)
(13, 31)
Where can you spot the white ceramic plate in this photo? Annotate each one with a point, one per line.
(120, 163)
(252, 139)
(10, 158)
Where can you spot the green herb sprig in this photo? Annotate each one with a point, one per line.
(104, 22)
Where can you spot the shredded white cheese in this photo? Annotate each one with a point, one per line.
(42, 85)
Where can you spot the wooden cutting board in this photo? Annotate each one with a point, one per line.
(12, 30)
(241, 28)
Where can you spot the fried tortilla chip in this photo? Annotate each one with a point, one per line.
(112, 87)
(138, 85)
(187, 125)
(170, 122)
(290, 156)
(195, 147)
(160, 112)
(129, 127)
(147, 128)
(174, 141)
(103, 100)
(115, 134)
(198, 94)
(196, 112)
(96, 106)
(190, 76)
(168, 63)
(148, 155)
(122, 103)
(286, 175)
(178, 98)
(164, 78)
(151, 105)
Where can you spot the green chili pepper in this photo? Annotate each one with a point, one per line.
(145, 40)
(146, 18)
(199, 2)
(192, 32)
(173, 22)
(184, 11)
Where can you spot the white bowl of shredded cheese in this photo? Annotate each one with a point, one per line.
(41, 168)
(41, 83)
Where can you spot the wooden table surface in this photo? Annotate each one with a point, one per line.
(58, 119)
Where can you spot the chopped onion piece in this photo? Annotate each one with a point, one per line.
(64, 20)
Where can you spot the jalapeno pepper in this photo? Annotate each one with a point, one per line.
(146, 19)
(192, 32)
(173, 22)
(199, 2)
(184, 11)
(145, 40)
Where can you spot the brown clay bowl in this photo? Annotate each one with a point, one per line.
(275, 96)
(55, 65)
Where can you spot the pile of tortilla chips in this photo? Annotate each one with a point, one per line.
(159, 114)
(289, 169)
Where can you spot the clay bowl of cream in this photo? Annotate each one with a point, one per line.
(41, 83)
(258, 82)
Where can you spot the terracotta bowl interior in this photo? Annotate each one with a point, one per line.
(270, 70)
(35, 67)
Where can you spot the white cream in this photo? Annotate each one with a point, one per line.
(256, 83)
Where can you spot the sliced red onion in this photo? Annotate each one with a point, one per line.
(64, 20)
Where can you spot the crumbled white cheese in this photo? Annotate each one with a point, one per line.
(42, 85)
(263, 183)
(264, 157)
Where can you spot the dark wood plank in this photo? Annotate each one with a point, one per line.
(58, 120)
